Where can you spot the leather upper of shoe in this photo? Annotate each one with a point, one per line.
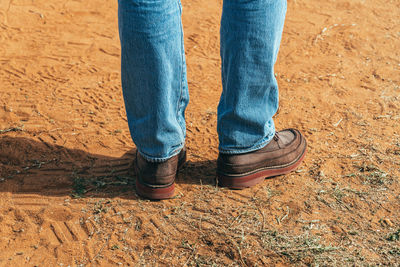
(286, 147)
(158, 173)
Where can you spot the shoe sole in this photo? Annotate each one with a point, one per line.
(244, 181)
(155, 193)
(161, 192)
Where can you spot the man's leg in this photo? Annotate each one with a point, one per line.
(249, 147)
(155, 89)
(153, 75)
(250, 37)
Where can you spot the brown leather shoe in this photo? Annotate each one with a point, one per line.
(156, 180)
(282, 155)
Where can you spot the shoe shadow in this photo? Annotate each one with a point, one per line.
(32, 167)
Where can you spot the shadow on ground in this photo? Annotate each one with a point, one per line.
(32, 167)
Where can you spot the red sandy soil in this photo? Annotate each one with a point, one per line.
(67, 194)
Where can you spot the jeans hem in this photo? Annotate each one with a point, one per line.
(162, 159)
(255, 147)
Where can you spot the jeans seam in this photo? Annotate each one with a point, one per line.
(181, 70)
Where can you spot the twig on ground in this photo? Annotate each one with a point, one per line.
(318, 248)
(12, 129)
(279, 220)
(233, 242)
(263, 217)
(101, 249)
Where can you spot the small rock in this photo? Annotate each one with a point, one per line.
(336, 229)
(7, 109)
(388, 222)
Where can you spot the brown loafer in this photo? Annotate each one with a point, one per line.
(156, 180)
(282, 155)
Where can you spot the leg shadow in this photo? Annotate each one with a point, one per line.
(33, 167)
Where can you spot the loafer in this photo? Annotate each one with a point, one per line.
(282, 155)
(156, 180)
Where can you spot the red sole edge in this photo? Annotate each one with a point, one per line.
(256, 178)
(155, 193)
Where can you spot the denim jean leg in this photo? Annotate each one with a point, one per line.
(153, 75)
(250, 37)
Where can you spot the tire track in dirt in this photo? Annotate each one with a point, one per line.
(57, 228)
(25, 201)
(66, 232)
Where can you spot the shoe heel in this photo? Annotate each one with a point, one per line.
(155, 193)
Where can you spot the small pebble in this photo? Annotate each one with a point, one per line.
(388, 222)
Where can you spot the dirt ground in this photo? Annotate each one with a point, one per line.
(67, 195)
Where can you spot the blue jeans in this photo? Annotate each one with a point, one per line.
(154, 83)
